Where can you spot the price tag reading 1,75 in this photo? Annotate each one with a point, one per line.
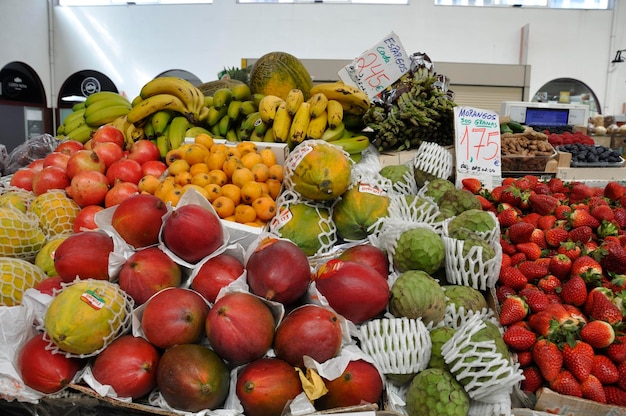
(477, 145)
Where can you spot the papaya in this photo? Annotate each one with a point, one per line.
(318, 170)
(357, 210)
(86, 316)
(309, 227)
(277, 73)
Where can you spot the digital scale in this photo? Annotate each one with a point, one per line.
(546, 114)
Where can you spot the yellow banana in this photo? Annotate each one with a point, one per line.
(215, 115)
(224, 124)
(106, 115)
(318, 103)
(109, 102)
(352, 99)
(257, 97)
(178, 87)
(160, 120)
(156, 103)
(241, 92)
(352, 145)
(208, 101)
(282, 123)
(176, 131)
(81, 134)
(199, 99)
(333, 133)
(132, 134)
(136, 100)
(317, 126)
(103, 95)
(222, 97)
(294, 98)
(78, 106)
(163, 142)
(195, 130)
(234, 109)
(335, 113)
(299, 125)
(248, 107)
(204, 114)
(268, 106)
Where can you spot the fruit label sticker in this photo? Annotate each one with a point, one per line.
(477, 146)
(296, 156)
(92, 299)
(378, 67)
(371, 189)
(283, 217)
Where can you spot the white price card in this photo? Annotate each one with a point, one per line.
(477, 146)
(378, 67)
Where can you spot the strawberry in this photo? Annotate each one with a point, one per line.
(533, 380)
(543, 204)
(621, 371)
(603, 212)
(607, 229)
(562, 212)
(508, 217)
(612, 257)
(548, 358)
(532, 270)
(604, 369)
(503, 292)
(472, 184)
(617, 350)
(531, 218)
(546, 322)
(530, 249)
(599, 334)
(525, 358)
(513, 278)
(513, 309)
(574, 291)
(614, 190)
(580, 217)
(546, 222)
(517, 258)
(519, 338)
(580, 234)
(549, 284)
(507, 246)
(535, 299)
(565, 383)
(556, 236)
(556, 185)
(596, 201)
(592, 389)
(619, 215)
(603, 308)
(570, 249)
(542, 188)
(578, 359)
(615, 395)
(587, 267)
(560, 266)
(520, 232)
(486, 204)
(506, 260)
(579, 192)
(539, 237)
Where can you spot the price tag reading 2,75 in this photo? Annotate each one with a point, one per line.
(477, 145)
(378, 67)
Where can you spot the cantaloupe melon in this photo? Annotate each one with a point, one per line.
(276, 73)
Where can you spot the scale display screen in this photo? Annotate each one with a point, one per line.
(547, 116)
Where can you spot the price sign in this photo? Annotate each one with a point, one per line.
(477, 146)
(378, 67)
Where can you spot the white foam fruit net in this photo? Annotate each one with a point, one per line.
(491, 236)
(434, 159)
(499, 406)
(455, 316)
(470, 269)
(485, 372)
(397, 345)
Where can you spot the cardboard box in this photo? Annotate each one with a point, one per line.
(591, 174)
(602, 140)
(558, 404)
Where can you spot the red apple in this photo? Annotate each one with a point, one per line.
(359, 382)
(84, 160)
(368, 254)
(192, 378)
(43, 370)
(108, 152)
(56, 159)
(84, 255)
(128, 365)
(143, 151)
(215, 274)
(148, 271)
(89, 187)
(108, 134)
(183, 236)
(240, 327)
(23, 178)
(124, 170)
(308, 330)
(85, 219)
(174, 316)
(49, 285)
(153, 167)
(138, 219)
(69, 146)
(120, 192)
(265, 386)
(36, 165)
(50, 177)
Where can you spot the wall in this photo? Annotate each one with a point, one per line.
(132, 44)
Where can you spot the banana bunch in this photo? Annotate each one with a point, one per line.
(131, 132)
(98, 109)
(352, 99)
(233, 113)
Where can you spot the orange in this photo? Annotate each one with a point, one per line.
(276, 172)
(195, 154)
(232, 163)
(246, 147)
(265, 207)
(218, 177)
(224, 206)
(261, 172)
(233, 192)
(251, 159)
(251, 191)
(204, 140)
(177, 166)
(149, 184)
(214, 191)
(215, 160)
(244, 213)
(274, 187)
(241, 176)
(268, 156)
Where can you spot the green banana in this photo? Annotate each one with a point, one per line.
(160, 120)
(256, 98)
(224, 124)
(80, 113)
(163, 142)
(148, 130)
(249, 122)
(60, 130)
(106, 115)
(333, 133)
(234, 109)
(352, 145)
(177, 130)
(215, 115)
(81, 134)
(231, 135)
(78, 106)
(74, 123)
(241, 92)
(248, 107)
(156, 103)
(103, 95)
(260, 128)
(193, 131)
(222, 97)
(109, 102)
(208, 101)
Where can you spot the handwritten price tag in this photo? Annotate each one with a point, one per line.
(477, 145)
(378, 67)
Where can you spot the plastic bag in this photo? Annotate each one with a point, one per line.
(4, 156)
(32, 149)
